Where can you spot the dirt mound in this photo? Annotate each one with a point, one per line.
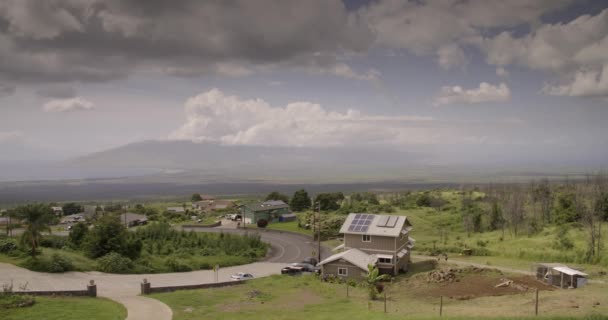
(463, 286)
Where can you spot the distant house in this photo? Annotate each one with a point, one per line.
(176, 209)
(211, 205)
(58, 211)
(270, 211)
(380, 240)
(130, 219)
(73, 218)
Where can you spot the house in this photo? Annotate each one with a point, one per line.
(73, 218)
(176, 209)
(380, 240)
(58, 211)
(211, 205)
(559, 275)
(130, 219)
(270, 211)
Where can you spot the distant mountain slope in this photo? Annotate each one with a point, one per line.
(246, 161)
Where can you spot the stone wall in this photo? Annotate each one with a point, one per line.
(146, 287)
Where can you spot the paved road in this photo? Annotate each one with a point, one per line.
(285, 248)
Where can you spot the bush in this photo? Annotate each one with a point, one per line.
(60, 263)
(177, 265)
(114, 263)
(9, 300)
(78, 233)
(262, 223)
(8, 245)
(55, 242)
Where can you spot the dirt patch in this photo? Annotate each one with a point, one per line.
(301, 300)
(470, 283)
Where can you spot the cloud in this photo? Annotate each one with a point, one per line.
(10, 136)
(58, 91)
(502, 72)
(102, 40)
(424, 27)
(585, 84)
(68, 105)
(6, 90)
(215, 116)
(485, 93)
(451, 56)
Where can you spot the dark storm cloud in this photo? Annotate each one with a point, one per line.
(57, 91)
(97, 40)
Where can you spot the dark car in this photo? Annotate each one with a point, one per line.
(299, 267)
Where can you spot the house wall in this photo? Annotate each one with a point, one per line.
(354, 272)
(378, 244)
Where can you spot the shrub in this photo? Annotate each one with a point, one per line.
(177, 265)
(114, 263)
(60, 263)
(10, 301)
(8, 245)
(262, 223)
(55, 242)
(78, 233)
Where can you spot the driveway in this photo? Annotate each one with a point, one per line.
(285, 248)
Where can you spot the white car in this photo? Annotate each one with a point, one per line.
(241, 276)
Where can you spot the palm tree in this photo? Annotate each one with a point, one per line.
(372, 278)
(38, 218)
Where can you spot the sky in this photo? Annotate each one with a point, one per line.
(457, 78)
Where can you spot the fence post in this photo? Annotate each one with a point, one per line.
(536, 305)
(92, 289)
(347, 289)
(384, 301)
(145, 287)
(440, 306)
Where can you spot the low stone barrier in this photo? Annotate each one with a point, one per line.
(146, 287)
(91, 291)
(213, 225)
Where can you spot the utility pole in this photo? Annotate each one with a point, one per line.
(319, 235)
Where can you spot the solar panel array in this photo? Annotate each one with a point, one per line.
(387, 221)
(361, 222)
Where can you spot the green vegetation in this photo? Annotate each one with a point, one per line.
(277, 196)
(67, 308)
(38, 219)
(305, 297)
(300, 201)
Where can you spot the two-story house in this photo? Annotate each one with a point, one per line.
(379, 240)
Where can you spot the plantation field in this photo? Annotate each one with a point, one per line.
(305, 297)
(67, 308)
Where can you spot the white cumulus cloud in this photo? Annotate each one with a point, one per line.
(67, 105)
(584, 84)
(217, 117)
(10, 136)
(485, 93)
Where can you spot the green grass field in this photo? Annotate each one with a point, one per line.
(305, 297)
(67, 308)
(291, 226)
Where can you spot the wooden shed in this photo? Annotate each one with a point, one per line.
(561, 276)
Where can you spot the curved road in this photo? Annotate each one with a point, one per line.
(285, 248)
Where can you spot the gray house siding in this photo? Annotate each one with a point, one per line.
(354, 272)
(378, 244)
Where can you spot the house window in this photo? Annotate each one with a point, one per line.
(384, 260)
(367, 238)
(342, 272)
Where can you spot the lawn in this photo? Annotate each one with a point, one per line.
(67, 308)
(305, 297)
(291, 226)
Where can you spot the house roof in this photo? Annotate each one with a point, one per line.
(354, 256)
(130, 217)
(267, 205)
(569, 271)
(374, 228)
(176, 209)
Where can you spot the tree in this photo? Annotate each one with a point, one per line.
(109, 235)
(196, 197)
(78, 233)
(372, 279)
(275, 195)
(71, 208)
(300, 201)
(329, 201)
(38, 218)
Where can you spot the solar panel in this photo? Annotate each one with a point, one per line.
(361, 222)
(392, 221)
(382, 221)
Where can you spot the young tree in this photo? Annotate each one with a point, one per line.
(78, 234)
(329, 201)
(109, 235)
(275, 195)
(300, 201)
(514, 209)
(38, 218)
(372, 279)
(196, 197)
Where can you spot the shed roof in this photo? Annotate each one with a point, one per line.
(267, 205)
(374, 227)
(354, 256)
(570, 271)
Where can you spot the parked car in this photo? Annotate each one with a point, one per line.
(241, 276)
(311, 260)
(300, 267)
(236, 217)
